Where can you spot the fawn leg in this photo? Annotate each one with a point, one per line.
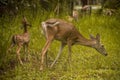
(18, 54)
(11, 46)
(26, 52)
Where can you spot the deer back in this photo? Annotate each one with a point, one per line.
(61, 31)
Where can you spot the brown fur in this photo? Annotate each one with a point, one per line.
(67, 34)
(21, 39)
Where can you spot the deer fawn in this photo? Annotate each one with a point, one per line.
(67, 34)
(75, 15)
(21, 39)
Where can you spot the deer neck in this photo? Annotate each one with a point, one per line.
(86, 42)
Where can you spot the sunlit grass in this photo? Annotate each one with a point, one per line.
(86, 63)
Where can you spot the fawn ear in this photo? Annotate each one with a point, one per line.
(98, 37)
(91, 36)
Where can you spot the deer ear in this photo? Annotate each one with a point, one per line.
(91, 36)
(98, 37)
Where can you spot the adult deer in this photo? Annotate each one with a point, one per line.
(75, 16)
(21, 39)
(67, 34)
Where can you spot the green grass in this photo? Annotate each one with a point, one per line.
(86, 63)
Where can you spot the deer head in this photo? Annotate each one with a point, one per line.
(25, 22)
(98, 46)
(67, 34)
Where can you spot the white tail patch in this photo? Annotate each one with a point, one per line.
(44, 26)
(52, 25)
(56, 23)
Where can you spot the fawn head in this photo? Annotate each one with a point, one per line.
(98, 46)
(25, 22)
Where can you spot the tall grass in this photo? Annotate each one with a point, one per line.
(86, 63)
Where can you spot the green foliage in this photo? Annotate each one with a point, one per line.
(86, 63)
(113, 4)
(13, 7)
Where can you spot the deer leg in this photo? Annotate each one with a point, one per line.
(44, 50)
(18, 54)
(11, 46)
(69, 52)
(46, 58)
(26, 52)
(58, 55)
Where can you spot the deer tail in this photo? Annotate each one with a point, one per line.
(44, 27)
